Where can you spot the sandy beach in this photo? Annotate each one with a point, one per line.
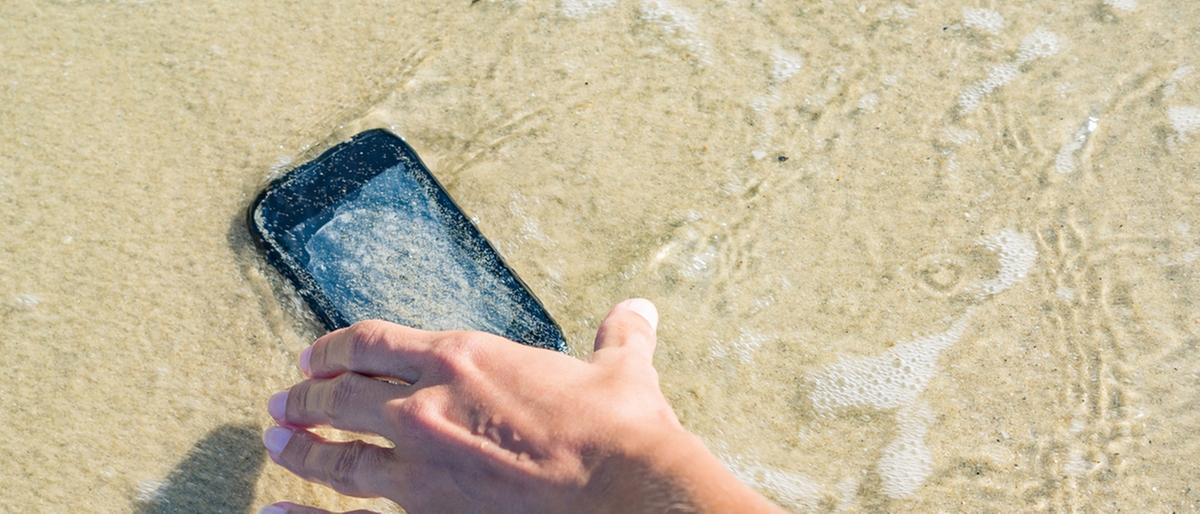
(909, 256)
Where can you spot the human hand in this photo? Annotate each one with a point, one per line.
(480, 423)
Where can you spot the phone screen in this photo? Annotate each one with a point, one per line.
(366, 232)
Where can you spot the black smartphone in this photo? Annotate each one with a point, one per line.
(365, 231)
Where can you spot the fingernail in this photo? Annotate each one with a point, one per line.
(646, 309)
(277, 405)
(272, 509)
(305, 357)
(275, 438)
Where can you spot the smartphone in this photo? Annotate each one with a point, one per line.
(365, 231)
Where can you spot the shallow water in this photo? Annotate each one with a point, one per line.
(909, 256)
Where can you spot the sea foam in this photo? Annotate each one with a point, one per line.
(983, 20)
(1184, 119)
(789, 488)
(888, 381)
(582, 8)
(1041, 43)
(1017, 254)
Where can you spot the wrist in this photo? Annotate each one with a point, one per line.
(667, 469)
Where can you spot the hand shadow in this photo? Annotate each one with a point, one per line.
(217, 476)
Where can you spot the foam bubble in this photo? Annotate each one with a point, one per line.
(745, 347)
(887, 381)
(960, 136)
(530, 229)
(280, 165)
(1184, 120)
(983, 20)
(868, 102)
(785, 65)
(1176, 77)
(1065, 293)
(848, 487)
(906, 462)
(899, 12)
(582, 8)
(677, 22)
(1182, 73)
(1179, 75)
(1064, 162)
(1000, 75)
(761, 105)
(1124, 5)
(790, 489)
(27, 299)
(1041, 43)
(1017, 255)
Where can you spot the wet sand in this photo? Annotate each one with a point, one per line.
(909, 257)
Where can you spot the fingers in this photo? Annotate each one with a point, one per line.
(352, 468)
(292, 508)
(630, 325)
(373, 348)
(348, 401)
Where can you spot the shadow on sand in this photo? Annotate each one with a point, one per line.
(217, 476)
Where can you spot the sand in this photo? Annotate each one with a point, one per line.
(909, 257)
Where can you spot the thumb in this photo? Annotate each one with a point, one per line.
(631, 325)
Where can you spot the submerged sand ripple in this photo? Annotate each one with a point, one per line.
(796, 185)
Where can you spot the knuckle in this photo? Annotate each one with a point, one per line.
(454, 354)
(367, 327)
(341, 392)
(419, 413)
(302, 458)
(363, 336)
(298, 401)
(344, 472)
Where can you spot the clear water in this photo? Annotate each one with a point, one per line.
(909, 256)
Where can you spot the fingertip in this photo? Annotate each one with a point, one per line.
(644, 308)
(277, 405)
(305, 361)
(620, 330)
(272, 509)
(276, 438)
